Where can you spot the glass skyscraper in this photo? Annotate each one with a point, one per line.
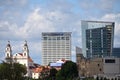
(55, 46)
(116, 52)
(97, 38)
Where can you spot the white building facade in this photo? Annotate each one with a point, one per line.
(56, 46)
(21, 58)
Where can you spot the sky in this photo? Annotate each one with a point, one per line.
(22, 20)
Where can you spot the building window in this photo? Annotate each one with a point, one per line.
(24, 54)
(58, 38)
(7, 48)
(98, 65)
(100, 69)
(109, 60)
(24, 48)
(7, 54)
(63, 38)
(45, 38)
(67, 38)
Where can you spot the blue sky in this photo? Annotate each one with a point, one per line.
(22, 20)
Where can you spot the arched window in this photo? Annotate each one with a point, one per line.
(7, 54)
(24, 54)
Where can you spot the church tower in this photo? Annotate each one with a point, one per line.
(8, 53)
(25, 50)
(25, 58)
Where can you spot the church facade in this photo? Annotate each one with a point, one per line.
(21, 58)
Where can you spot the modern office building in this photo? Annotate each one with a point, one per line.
(116, 52)
(56, 46)
(97, 38)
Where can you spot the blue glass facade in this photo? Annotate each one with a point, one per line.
(97, 38)
(116, 52)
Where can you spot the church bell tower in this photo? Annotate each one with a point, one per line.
(8, 53)
(25, 50)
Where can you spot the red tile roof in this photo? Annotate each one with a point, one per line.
(20, 54)
(30, 60)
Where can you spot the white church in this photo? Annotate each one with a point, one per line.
(22, 58)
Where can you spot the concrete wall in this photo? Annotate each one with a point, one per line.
(111, 66)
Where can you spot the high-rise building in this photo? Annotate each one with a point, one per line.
(97, 38)
(116, 52)
(55, 46)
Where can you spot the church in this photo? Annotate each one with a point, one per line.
(21, 58)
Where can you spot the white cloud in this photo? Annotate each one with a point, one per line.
(8, 30)
(111, 17)
(35, 24)
(103, 5)
(106, 5)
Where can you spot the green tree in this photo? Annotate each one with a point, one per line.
(13, 71)
(97, 78)
(53, 73)
(68, 71)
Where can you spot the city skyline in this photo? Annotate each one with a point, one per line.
(27, 19)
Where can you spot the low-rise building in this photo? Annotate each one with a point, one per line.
(94, 67)
(41, 72)
(111, 67)
(107, 67)
(57, 65)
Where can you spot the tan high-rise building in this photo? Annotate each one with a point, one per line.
(56, 46)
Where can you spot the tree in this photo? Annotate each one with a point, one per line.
(97, 78)
(53, 73)
(12, 71)
(68, 71)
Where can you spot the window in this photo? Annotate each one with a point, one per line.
(63, 38)
(98, 65)
(67, 38)
(7, 54)
(7, 48)
(24, 54)
(58, 38)
(109, 60)
(45, 38)
(24, 48)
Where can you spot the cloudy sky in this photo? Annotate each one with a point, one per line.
(22, 20)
